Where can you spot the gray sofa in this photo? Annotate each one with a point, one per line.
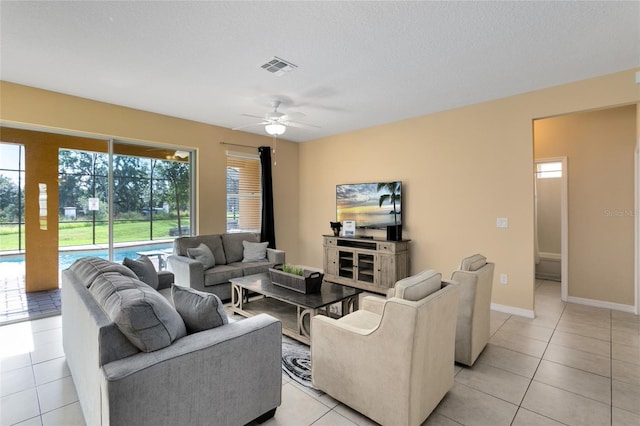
(227, 375)
(228, 252)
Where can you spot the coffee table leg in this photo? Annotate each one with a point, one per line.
(237, 296)
(350, 305)
(303, 329)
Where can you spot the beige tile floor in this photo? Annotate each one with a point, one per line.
(572, 364)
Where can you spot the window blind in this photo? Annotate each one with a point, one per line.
(244, 193)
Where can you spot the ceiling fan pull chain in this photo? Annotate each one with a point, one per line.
(275, 144)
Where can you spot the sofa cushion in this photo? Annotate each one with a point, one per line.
(418, 286)
(202, 254)
(88, 268)
(200, 311)
(254, 252)
(233, 248)
(214, 242)
(473, 263)
(145, 317)
(250, 268)
(221, 274)
(144, 270)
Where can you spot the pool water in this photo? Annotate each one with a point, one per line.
(14, 264)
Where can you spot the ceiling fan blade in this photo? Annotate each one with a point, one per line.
(261, 117)
(302, 125)
(250, 125)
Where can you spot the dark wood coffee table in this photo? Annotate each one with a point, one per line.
(293, 309)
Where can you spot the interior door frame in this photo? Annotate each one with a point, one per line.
(564, 223)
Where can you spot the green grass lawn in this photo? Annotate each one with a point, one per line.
(81, 233)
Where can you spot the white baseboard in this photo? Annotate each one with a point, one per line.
(527, 313)
(602, 304)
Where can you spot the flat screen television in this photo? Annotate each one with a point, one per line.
(362, 202)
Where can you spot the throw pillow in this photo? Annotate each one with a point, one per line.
(199, 310)
(144, 269)
(202, 254)
(254, 252)
(145, 317)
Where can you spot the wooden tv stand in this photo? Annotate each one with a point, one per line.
(369, 264)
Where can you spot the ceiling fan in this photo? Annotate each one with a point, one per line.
(275, 122)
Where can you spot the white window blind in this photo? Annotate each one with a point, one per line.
(244, 193)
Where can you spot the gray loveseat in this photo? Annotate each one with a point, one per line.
(228, 253)
(228, 375)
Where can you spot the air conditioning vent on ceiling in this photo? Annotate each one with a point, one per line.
(278, 66)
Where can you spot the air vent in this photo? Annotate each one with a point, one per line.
(278, 66)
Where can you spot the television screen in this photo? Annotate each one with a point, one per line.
(371, 205)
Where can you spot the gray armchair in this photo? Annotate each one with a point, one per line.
(475, 278)
(393, 359)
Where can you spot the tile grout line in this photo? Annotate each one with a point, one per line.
(537, 367)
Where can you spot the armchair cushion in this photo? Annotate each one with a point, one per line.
(202, 254)
(418, 286)
(144, 269)
(473, 263)
(254, 252)
(199, 310)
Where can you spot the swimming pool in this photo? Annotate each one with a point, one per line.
(15, 263)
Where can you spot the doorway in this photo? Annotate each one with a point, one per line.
(601, 257)
(551, 216)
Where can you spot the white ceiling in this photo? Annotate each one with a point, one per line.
(359, 63)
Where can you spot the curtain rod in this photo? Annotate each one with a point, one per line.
(237, 144)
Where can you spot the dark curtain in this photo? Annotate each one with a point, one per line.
(268, 230)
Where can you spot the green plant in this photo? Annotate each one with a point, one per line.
(292, 269)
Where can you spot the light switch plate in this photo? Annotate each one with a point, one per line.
(502, 222)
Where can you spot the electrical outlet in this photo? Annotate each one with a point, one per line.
(502, 222)
(504, 279)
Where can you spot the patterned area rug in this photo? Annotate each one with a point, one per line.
(296, 363)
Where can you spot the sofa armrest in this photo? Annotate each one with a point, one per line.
(165, 279)
(231, 373)
(188, 272)
(276, 256)
(373, 304)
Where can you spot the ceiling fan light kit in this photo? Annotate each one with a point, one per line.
(275, 129)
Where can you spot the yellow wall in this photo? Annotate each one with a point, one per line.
(599, 147)
(33, 108)
(461, 169)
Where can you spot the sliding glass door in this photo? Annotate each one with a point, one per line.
(132, 200)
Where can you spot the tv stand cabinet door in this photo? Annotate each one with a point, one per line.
(387, 271)
(331, 261)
